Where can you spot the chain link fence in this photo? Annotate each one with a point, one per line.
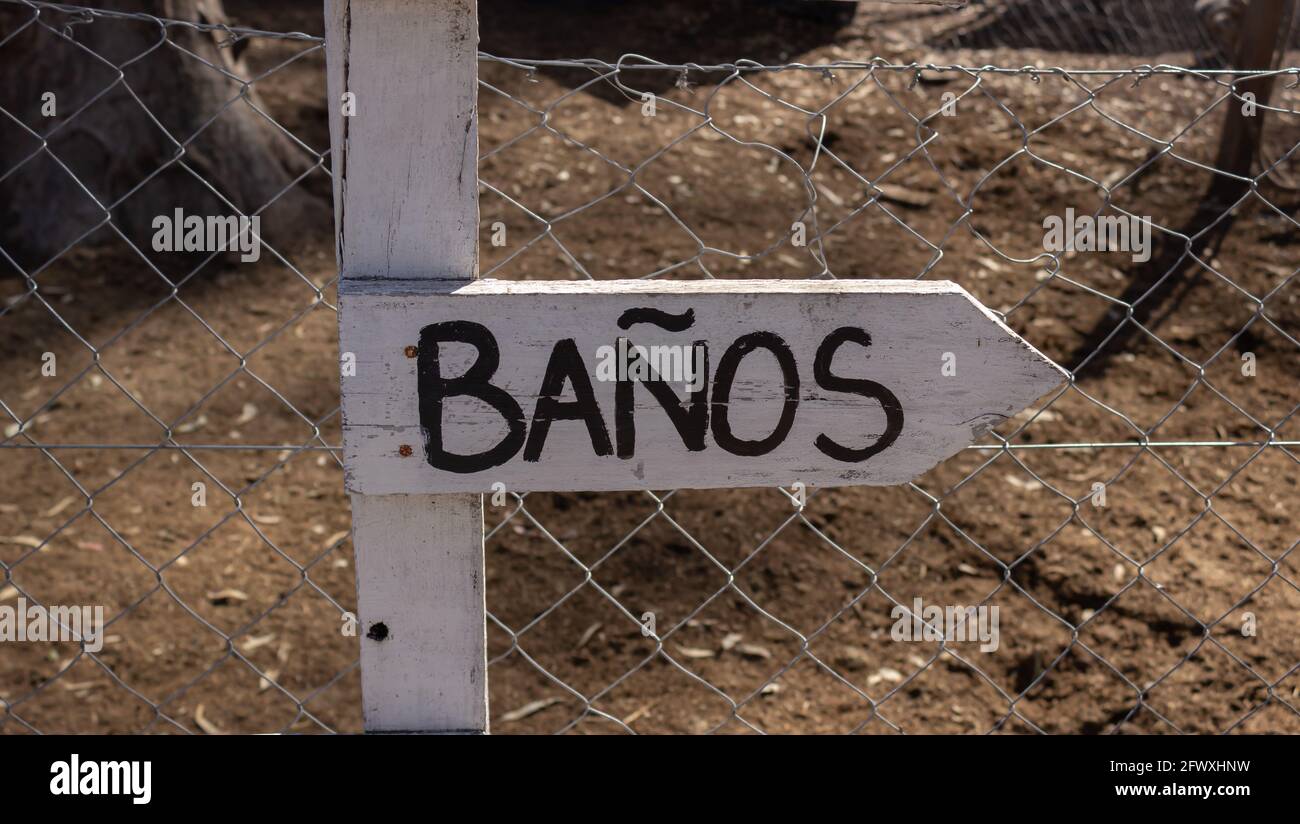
(176, 459)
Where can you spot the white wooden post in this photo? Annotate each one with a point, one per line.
(403, 86)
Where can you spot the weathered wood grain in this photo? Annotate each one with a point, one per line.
(406, 163)
(421, 601)
(406, 207)
(913, 327)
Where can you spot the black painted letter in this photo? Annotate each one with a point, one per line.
(857, 386)
(566, 365)
(727, 366)
(433, 388)
(691, 419)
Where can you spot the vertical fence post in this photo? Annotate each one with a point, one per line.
(403, 86)
(1261, 41)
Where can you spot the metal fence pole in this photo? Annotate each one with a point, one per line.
(403, 91)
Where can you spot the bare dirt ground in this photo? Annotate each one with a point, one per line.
(1086, 645)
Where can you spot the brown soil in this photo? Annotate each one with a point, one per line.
(1086, 645)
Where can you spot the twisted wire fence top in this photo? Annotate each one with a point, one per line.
(770, 610)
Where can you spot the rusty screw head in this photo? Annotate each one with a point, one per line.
(404, 450)
(411, 351)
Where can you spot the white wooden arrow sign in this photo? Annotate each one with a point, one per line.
(563, 385)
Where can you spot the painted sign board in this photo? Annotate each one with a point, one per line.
(617, 385)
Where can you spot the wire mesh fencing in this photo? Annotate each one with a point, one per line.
(1119, 558)
(170, 441)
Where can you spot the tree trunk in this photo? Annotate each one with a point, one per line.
(145, 120)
